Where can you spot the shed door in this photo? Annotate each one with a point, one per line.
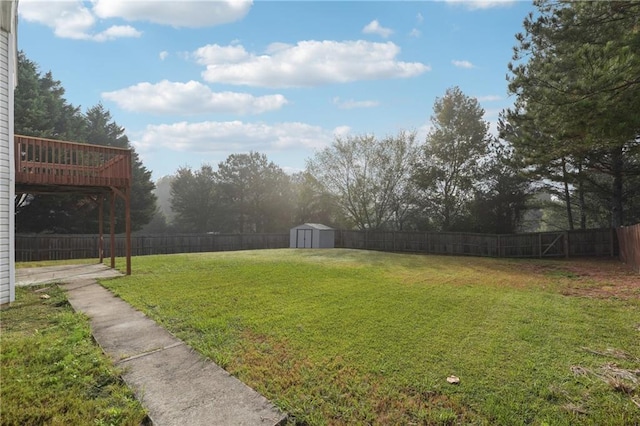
(304, 238)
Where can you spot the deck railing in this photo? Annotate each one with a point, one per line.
(42, 161)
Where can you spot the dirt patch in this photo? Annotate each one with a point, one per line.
(598, 278)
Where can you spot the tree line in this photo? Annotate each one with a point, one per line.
(461, 179)
(566, 155)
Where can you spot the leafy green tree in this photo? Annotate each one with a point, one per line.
(368, 178)
(254, 194)
(575, 74)
(447, 168)
(193, 200)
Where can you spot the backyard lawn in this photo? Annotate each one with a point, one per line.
(51, 370)
(360, 337)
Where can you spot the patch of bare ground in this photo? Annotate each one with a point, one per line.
(593, 277)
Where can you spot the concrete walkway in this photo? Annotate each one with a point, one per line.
(174, 383)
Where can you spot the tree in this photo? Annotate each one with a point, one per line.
(254, 194)
(312, 204)
(101, 130)
(575, 73)
(193, 200)
(500, 200)
(447, 169)
(42, 111)
(40, 108)
(368, 178)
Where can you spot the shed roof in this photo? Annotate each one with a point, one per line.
(315, 226)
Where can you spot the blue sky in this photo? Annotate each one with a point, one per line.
(195, 81)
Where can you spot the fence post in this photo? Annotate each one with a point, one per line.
(612, 236)
(566, 244)
(540, 245)
(498, 245)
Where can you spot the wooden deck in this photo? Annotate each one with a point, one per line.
(60, 166)
(52, 166)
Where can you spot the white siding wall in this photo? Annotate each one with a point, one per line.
(7, 273)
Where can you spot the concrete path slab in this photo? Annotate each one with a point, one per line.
(66, 273)
(176, 384)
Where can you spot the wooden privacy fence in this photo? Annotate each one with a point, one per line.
(629, 238)
(58, 247)
(591, 242)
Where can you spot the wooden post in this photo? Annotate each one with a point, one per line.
(101, 227)
(128, 227)
(612, 242)
(112, 223)
(540, 244)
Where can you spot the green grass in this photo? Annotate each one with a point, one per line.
(52, 372)
(357, 337)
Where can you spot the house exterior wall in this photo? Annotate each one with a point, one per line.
(7, 173)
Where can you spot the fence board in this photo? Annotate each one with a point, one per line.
(592, 242)
(629, 238)
(58, 247)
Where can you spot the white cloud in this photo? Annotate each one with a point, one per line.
(71, 19)
(415, 33)
(308, 63)
(163, 55)
(233, 136)
(419, 18)
(341, 131)
(351, 104)
(481, 4)
(463, 64)
(215, 54)
(489, 98)
(203, 13)
(117, 31)
(76, 19)
(190, 98)
(374, 27)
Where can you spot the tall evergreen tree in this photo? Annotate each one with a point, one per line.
(42, 111)
(100, 129)
(575, 74)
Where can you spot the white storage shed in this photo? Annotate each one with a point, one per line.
(312, 235)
